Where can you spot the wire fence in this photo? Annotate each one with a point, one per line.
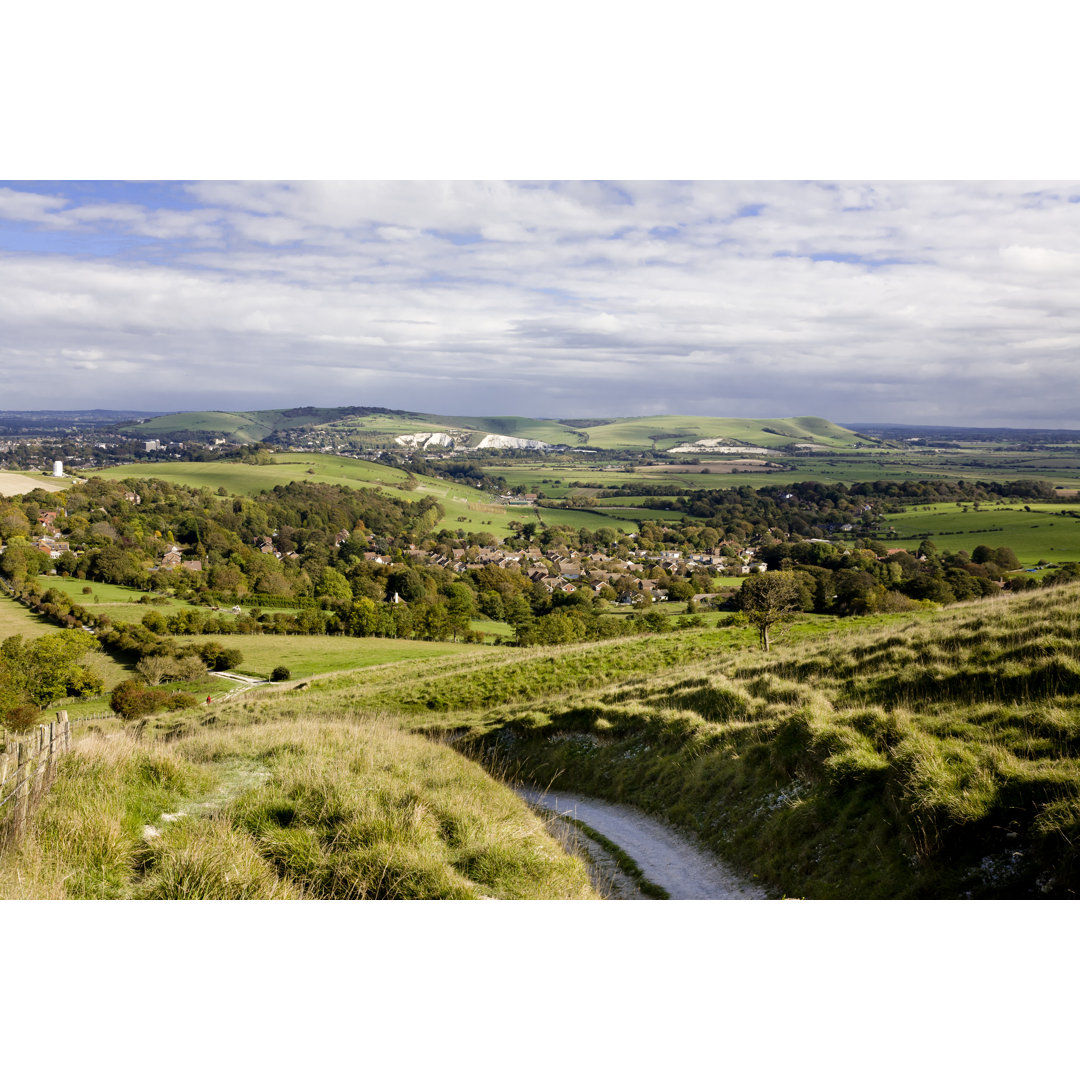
(28, 767)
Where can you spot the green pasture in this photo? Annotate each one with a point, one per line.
(242, 479)
(491, 628)
(16, 619)
(1041, 533)
(316, 654)
(585, 519)
(639, 513)
(120, 602)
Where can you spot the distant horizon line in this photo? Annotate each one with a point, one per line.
(154, 413)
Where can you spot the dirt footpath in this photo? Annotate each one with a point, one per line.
(665, 858)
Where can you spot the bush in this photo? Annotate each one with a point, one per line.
(22, 717)
(180, 700)
(132, 699)
(280, 674)
(218, 658)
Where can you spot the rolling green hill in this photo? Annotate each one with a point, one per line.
(240, 426)
(663, 432)
(382, 425)
(463, 507)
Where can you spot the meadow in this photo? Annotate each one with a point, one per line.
(317, 654)
(1046, 531)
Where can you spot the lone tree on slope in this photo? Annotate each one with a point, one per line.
(768, 600)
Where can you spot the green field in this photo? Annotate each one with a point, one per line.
(309, 655)
(241, 479)
(491, 629)
(1041, 533)
(15, 619)
(585, 519)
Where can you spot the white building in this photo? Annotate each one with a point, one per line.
(58, 468)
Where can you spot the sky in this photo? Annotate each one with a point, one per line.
(917, 302)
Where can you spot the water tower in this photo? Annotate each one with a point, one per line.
(58, 468)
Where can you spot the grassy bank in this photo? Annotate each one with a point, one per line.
(333, 807)
(904, 756)
(933, 758)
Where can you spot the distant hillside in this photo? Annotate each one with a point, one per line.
(375, 427)
(664, 432)
(243, 427)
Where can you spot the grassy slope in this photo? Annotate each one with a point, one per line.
(16, 619)
(250, 426)
(627, 432)
(930, 757)
(639, 432)
(894, 757)
(338, 807)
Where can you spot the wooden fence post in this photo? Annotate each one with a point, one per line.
(22, 799)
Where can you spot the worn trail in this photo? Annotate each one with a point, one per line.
(663, 855)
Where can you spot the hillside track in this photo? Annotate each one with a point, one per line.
(665, 858)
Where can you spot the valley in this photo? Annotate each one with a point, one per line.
(414, 631)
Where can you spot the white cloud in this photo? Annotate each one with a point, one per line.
(536, 297)
(27, 206)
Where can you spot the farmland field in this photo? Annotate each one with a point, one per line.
(552, 479)
(305, 656)
(585, 519)
(16, 483)
(1041, 533)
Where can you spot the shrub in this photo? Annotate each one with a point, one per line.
(280, 674)
(132, 699)
(22, 717)
(180, 700)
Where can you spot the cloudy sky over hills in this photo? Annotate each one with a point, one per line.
(913, 302)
